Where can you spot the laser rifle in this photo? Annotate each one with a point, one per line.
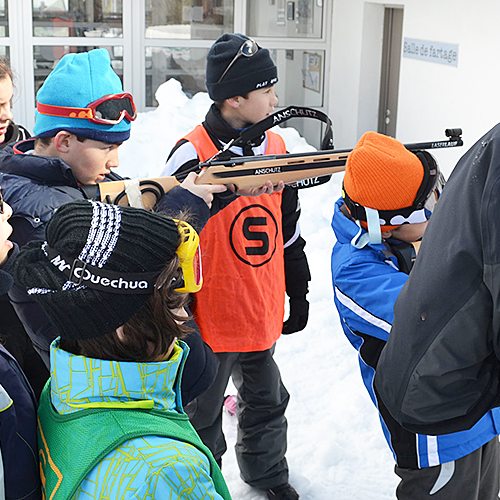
(246, 172)
(255, 171)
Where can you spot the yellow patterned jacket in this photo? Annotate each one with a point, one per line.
(149, 467)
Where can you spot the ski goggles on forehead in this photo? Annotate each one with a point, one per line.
(248, 49)
(189, 254)
(110, 109)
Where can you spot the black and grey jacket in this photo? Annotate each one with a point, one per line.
(440, 369)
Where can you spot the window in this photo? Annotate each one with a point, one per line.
(151, 41)
(77, 18)
(46, 57)
(189, 19)
(4, 19)
(187, 65)
(281, 18)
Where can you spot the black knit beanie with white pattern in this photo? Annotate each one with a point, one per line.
(245, 74)
(123, 241)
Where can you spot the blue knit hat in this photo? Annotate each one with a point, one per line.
(76, 81)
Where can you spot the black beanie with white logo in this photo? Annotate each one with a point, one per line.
(124, 248)
(245, 74)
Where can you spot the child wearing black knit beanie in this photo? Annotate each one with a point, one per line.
(114, 281)
(258, 240)
(236, 65)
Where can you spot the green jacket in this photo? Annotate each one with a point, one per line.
(76, 445)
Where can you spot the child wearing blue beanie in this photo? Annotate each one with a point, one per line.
(82, 117)
(76, 81)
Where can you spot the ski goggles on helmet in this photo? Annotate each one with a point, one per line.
(248, 49)
(422, 208)
(110, 109)
(83, 273)
(189, 259)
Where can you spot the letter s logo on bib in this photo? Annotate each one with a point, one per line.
(253, 235)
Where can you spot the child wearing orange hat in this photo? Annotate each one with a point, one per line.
(389, 194)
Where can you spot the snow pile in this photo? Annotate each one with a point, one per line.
(336, 450)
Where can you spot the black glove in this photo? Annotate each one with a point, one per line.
(299, 312)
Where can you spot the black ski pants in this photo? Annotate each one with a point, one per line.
(261, 403)
(473, 477)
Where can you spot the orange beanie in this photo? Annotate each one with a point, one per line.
(382, 174)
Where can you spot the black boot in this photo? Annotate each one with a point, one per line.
(283, 492)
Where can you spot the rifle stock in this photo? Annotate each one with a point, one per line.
(255, 171)
(118, 193)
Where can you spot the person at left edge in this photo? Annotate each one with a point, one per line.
(10, 132)
(12, 332)
(19, 476)
(41, 174)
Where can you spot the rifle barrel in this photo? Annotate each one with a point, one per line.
(435, 145)
(253, 171)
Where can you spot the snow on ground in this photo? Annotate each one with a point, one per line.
(336, 450)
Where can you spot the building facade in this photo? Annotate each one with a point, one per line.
(409, 69)
(151, 41)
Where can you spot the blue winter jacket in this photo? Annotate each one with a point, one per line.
(35, 187)
(366, 284)
(147, 467)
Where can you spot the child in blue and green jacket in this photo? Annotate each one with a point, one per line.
(389, 194)
(19, 477)
(114, 282)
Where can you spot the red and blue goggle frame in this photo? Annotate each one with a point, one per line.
(110, 109)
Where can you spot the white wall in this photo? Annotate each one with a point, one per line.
(345, 68)
(432, 96)
(370, 67)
